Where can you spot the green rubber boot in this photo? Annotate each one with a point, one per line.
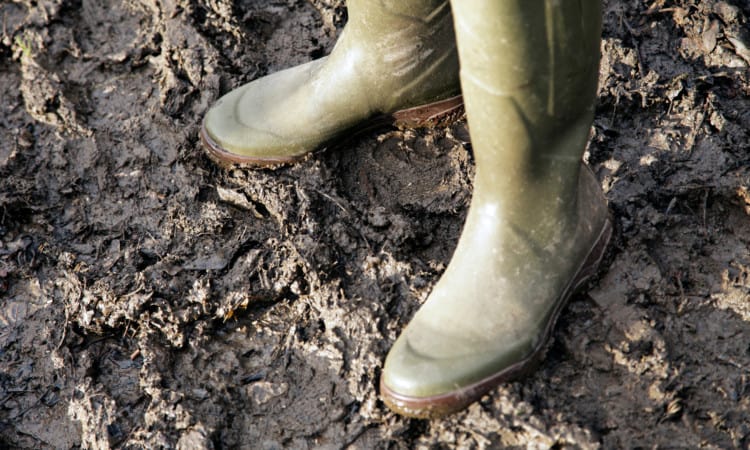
(395, 61)
(538, 223)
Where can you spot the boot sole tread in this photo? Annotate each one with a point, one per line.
(430, 115)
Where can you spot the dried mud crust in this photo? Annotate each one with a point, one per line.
(149, 299)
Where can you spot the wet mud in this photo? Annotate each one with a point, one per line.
(151, 299)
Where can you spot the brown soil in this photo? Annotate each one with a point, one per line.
(150, 299)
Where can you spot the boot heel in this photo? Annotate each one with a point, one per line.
(439, 113)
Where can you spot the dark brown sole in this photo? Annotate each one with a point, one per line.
(451, 402)
(434, 114)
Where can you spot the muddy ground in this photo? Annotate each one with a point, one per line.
(150, 299)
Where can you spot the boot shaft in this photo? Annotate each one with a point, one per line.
(529, 71)
(413, 40)
(542, 53)
(387, 16)
(404, 32)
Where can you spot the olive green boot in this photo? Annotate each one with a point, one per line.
(538, 223)
(395, 61)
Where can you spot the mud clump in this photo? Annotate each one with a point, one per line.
(150, 299)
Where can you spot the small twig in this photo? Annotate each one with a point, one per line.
(33, 405)
(334, 201)
(650, 12)
(348, 214)
(64, 332)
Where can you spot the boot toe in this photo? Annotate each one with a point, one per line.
(266, 118)
(430, 374)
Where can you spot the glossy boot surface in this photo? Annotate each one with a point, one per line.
(395, 61)
(538, 223)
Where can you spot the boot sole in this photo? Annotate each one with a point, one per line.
(451, 402)
(434, 114)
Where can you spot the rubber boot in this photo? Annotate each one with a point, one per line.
(538, 223)
(395, 61)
